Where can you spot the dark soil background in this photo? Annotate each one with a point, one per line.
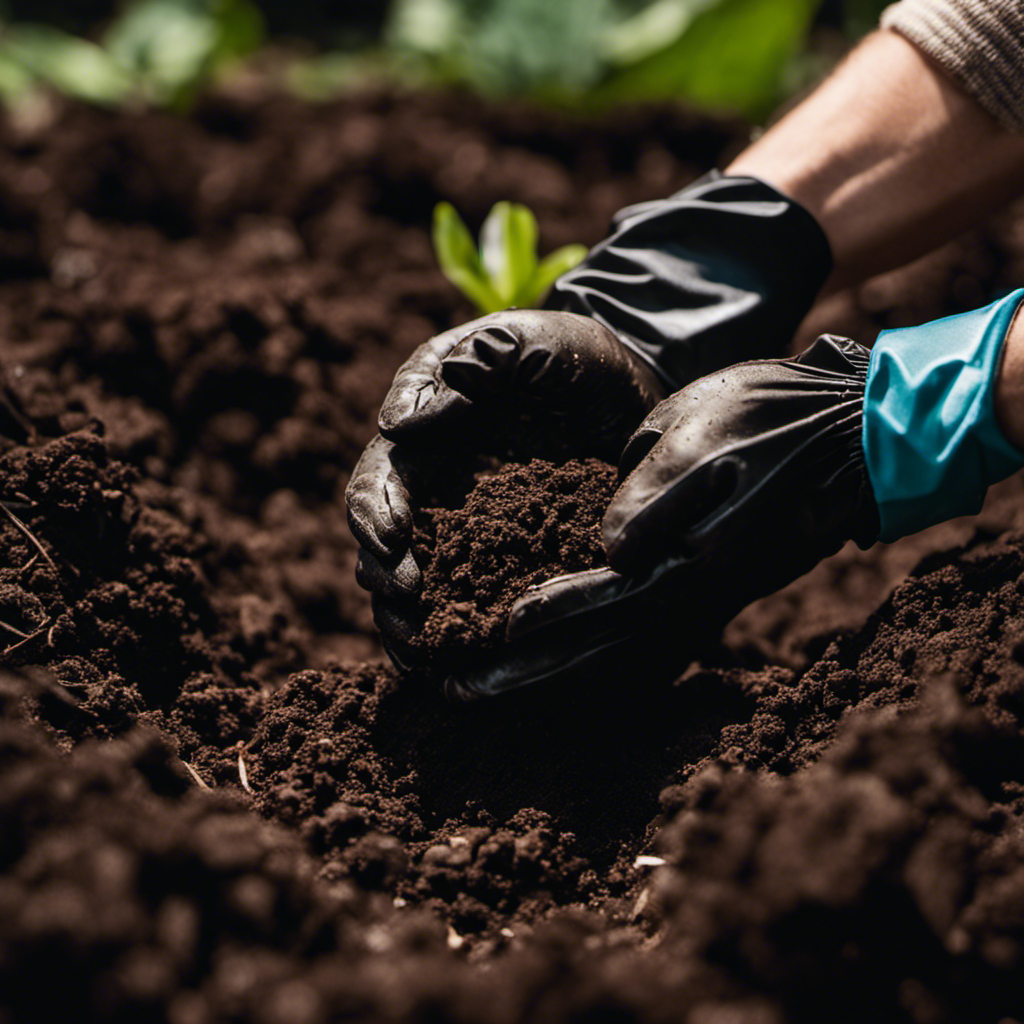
(218, 802)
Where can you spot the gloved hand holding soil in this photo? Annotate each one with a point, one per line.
(746, 479)
(507, 388)
(719, 272)
(737, 484)
(750, 472)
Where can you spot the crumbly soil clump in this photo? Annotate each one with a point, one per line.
(518, 527)
(218, 801)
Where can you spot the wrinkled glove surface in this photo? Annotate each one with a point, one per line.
(734, 487)
(719, 273)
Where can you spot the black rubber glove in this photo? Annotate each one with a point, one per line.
(722, 271)
(736, 485)
(474, 389)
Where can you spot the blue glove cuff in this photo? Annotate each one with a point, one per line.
(931, 441)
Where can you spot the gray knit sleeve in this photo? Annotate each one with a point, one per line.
(979, 42)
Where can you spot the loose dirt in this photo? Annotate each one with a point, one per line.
(517, 527)
(218, 802)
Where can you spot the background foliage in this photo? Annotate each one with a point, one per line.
(731, 55)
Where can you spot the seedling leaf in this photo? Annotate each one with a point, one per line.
(459, 260)
(508, 249)
(505, 271)
(550, 269)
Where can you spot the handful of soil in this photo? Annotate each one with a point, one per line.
(518, 527)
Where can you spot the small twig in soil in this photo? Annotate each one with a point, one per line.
(647, 861)
(243, 775)
(13, 629)
(32, 561)
(21, 643)
(29, 534)
(20, 501)
(641, 903)
(195, 775)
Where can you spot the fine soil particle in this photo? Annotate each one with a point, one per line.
(517, 527)
(219, 803)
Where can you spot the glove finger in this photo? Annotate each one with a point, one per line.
(564, 364)
(396, 633)
(400, 582)
(528, 663)
(544, 352)
(665, 507)
(557, 631)
(483, 362)
(600, 622)
(377, 501)
(647, 435)
(563, 598)
(419, 399)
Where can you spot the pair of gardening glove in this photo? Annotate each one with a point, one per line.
(738, 474)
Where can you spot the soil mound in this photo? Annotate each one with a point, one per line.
(218, 801)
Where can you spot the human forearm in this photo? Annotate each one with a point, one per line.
(890, 156)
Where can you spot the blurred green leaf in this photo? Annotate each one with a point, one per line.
(508, 249)
(547, 272)
(724, 54)
(459, 259)
(431, 27)
(636, 38)
(537, 46)
(15, 79)
(506, 47)
(172, 47)
(74, 66)
(241, 29)
(730, 56)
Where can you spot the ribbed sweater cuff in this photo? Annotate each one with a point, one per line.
(979, 42)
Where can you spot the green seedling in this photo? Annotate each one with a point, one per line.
(503, 271)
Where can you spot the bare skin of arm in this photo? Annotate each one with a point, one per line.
(894, 159)
(891, 157)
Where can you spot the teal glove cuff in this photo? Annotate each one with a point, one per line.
(931, 441)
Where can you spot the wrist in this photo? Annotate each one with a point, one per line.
(933, 443)
(1009, 392)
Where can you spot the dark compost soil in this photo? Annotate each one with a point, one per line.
(518, 526)
(218, 803)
